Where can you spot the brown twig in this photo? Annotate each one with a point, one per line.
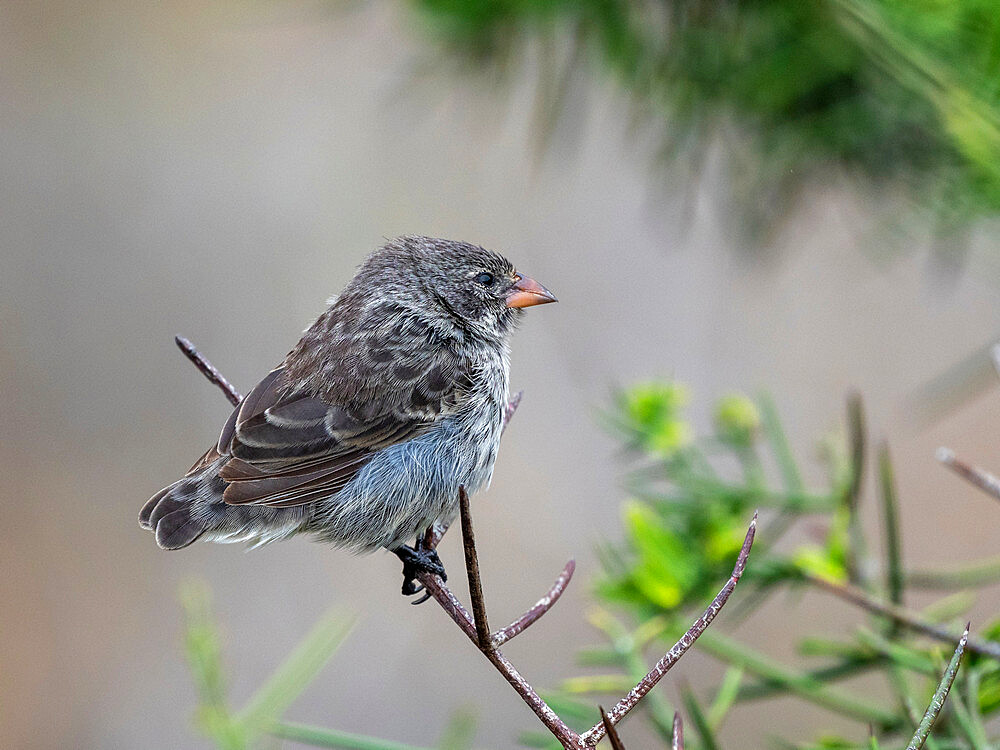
(542, 606)
(678, 738)
(443, 596)
(616, 741)
(475, 626)
(472, 569)
(982, 479)
(626, 704)
(903, 616)
(208, 370)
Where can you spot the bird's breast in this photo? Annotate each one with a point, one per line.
(476, 427)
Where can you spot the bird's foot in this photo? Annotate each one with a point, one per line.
(417, 560)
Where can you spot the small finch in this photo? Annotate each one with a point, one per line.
(390, 401)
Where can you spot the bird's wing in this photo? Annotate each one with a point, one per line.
(288, 449)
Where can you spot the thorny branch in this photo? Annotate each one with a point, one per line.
(475, 626)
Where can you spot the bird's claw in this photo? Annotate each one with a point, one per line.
(417, 560)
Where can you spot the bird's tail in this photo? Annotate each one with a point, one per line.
(182, 512)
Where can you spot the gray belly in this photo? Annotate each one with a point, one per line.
(407, 487)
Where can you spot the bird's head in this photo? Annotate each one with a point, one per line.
(476, 290)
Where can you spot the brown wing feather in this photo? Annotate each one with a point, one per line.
(291, 444)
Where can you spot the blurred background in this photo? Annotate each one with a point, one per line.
(219, 169)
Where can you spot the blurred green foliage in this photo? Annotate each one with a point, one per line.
(261, 719)
(690, 504)
(890, 90)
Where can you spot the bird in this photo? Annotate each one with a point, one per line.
(391, 401)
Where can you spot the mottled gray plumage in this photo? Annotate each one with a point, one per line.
(361, 437)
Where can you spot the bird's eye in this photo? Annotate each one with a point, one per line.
(485, 278)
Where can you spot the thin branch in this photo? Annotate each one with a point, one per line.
(472, 569)
(208, 370)
(541, 607)
(982, 479)
(678, 741)
(616, 741)
(937, 702)
(626, 704)
(463, 619)
(904, 617)
(967, 576)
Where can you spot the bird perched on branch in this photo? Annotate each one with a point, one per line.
(361, 438)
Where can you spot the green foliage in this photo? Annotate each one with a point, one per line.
(888, 89)
(682, 526)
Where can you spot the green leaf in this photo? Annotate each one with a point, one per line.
(725, 697)
(895, 577)
(701, 726)
(802, 685)
(273, 698)
(667, 566)
(204, 654)
(317, 737)
(771, 423)
(460, 732)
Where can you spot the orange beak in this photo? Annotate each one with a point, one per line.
(527, 292)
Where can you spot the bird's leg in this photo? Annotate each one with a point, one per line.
(416, 560)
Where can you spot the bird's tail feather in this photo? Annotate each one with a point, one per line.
(182, 512)
(194, 507)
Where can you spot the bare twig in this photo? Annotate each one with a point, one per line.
(904, 617)
(982, 479)
(472, 569)
(208, 370)
(678, 741)
(461, 617)
(626, 704)
(616, 741)
(937, 701)
(542, 606)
